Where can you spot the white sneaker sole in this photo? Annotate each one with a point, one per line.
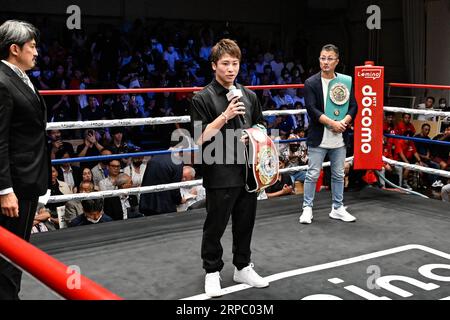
(303, 221)
(333, 216)
(214, 294)
(243, 282)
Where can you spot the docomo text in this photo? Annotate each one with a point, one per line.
(369, 101)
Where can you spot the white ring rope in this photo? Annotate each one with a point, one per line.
(116, 123)
(415, 167)
(151, 189)
(185, 119)
(144, 121)
(284, 112)
(418, 111)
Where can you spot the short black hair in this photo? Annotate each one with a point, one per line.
(432, 98)
(92, 205)
(114, 130)
(107, 149)
(60, 153)
(331, 47)
(426, 125)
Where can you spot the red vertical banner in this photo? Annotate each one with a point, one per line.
(369, 94)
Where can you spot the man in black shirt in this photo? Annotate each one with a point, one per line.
(212, 118)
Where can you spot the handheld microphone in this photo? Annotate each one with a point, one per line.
(235, 93)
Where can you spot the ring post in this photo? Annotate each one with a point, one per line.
(368, 139)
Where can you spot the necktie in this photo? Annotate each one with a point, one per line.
(23, 76)
(27, 82)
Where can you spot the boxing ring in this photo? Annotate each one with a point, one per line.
(397, 249)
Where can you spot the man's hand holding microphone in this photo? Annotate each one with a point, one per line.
(236, 108)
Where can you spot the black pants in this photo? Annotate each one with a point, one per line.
(10, 276)
(220, 204)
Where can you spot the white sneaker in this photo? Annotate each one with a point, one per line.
(250, 277)
(307, 216)
(212, 285)
(342, 214)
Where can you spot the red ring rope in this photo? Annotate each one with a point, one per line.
(50, 271)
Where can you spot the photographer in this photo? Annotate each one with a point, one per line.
(90, 148)
(55, 144)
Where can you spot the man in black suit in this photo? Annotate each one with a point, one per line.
(161, 170)
(72, 175)
(24, 160)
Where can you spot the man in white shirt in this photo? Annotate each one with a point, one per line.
(171, 56)
(192, 195)
(427, 105)
(109, 183)
(327, 136)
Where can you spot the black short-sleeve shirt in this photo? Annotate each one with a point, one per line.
(222, 169)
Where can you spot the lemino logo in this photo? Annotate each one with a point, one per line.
(372, 73)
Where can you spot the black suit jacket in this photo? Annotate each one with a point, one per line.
(24, 160)
(315, 107)
(161, 170)
(76, 172)
(113, 208)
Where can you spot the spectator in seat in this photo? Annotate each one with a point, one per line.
(281, 98)
(101, 171)
(136, 170)
(118, 144)
(68, 173)
(443, 105)
(440, 153)
(405, 125)
(93, 111)
(193, 197)
(284, 185)
(388, 169)
(424, 151)
(73, 207)
(86, 176)
(109, 183)
(90, 147)
(405, 151)
(56, 143)
(42, 222)
(389, 123)
(445, 193)
(92, 214)
(123, 207)
(57, 188)
(428, 105)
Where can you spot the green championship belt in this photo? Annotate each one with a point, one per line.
(338, 97)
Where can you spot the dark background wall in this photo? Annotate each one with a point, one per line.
(300, 28)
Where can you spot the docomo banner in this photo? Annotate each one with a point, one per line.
(369, 93)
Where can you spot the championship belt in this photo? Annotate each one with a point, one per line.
(261, 161)
(338, 98)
